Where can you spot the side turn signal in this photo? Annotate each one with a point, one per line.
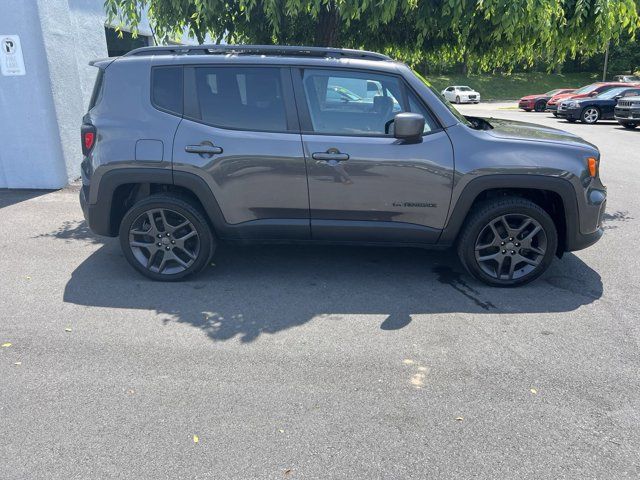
(593, 166)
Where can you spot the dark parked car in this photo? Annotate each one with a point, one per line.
(627, 112)
(186, 147)
(538, 102)
(592, 109)
(587, 91)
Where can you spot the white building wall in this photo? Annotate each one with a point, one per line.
(41, 112)
(30, 149)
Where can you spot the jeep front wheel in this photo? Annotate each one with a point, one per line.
(166, 238)
(508, 242)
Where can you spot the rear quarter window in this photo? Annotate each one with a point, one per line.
(166, 89)
(96, 95)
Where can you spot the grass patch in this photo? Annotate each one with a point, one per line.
(515, 85)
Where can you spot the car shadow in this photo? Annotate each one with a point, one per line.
(250, 291)
(10, 197)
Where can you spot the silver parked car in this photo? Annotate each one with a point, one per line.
(188, 147)
(461, 94)
(627, 78)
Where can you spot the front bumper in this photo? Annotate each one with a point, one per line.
(525, 104)
(582, 241)
(569, 113)
(552, 107)
(627, 115)
(588, 230)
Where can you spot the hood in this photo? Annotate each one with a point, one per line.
(509, 129)
(562, 96)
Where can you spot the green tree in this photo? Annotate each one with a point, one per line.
(483, 34)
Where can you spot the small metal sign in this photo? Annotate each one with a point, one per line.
(11, 60)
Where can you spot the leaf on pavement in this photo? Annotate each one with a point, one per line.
(196, 439)
(534, 391)
(68, 329)
(459, 419)
(6, 344)
(18, 363)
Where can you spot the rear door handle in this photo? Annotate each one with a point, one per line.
(328, 156)
(205, 149)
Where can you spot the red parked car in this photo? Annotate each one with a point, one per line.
(539, 101)
(590, 90)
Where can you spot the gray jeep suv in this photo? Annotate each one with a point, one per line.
(185, 147)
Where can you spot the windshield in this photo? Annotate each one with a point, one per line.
(464, 89)
(551, 93)
(344, 93)
(587, 89)
(446, 103)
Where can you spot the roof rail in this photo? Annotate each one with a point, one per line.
(271, 50)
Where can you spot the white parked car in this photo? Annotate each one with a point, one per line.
(461, 94)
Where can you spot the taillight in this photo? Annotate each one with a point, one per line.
(88, 138)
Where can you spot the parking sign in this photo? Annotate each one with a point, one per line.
(11, 60)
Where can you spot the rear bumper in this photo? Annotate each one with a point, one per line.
(96, 216)
(525, 105)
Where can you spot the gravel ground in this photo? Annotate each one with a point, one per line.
(319, 362)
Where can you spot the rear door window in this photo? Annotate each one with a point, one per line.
(166, 89)
(242, 98)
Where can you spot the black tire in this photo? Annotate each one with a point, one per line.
(540, 106)
(571, 120)
(630, 126)
(527, 109)
(188, 256)
(555, 114)
(458, 100)
(481, 219)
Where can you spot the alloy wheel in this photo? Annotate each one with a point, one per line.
(511, 246)
(164, 241)
(590, 115)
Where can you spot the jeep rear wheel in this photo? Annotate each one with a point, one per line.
(166, 238)
(508, 242)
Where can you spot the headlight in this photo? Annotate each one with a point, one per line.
(572, 104)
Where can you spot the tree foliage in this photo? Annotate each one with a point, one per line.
(484, 34)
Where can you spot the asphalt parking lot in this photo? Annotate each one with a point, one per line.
(330, 362)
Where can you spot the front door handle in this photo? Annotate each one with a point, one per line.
(205, 149)
(328, 156)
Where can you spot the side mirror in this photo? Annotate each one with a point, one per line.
(408, 126)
